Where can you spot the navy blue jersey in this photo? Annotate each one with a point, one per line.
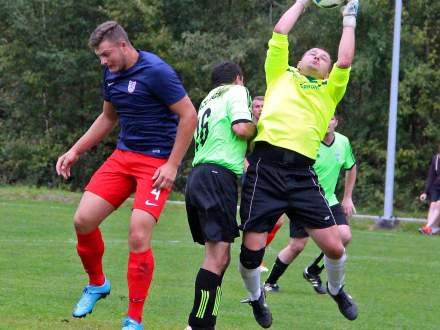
(141, 96)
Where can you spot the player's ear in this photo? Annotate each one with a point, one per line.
(123, 44)
(239, 80)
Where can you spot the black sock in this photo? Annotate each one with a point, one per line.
(207, 298)
(314, 268)
(278, 269)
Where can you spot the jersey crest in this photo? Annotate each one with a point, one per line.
(131, 86)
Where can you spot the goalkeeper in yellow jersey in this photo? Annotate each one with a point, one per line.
(299, 103)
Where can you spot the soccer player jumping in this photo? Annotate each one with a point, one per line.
(334, 154)
(157, 121)
(299, 104)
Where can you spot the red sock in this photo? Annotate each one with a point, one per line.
(271, 235)
(90, 249)
(139, 276)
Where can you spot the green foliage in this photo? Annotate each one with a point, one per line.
(50, 80)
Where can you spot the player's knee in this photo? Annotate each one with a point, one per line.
(81, 223)
(137, 241)
(251, 259)
(335, 252)
(223, 262)
(296, 246)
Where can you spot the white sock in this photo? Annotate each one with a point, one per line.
(335, 273)
(251, 279)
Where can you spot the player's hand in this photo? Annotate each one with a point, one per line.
(164, 176)
(348, 207)
(423, 197)
(305, 3)
(65, 162)
(349, 13)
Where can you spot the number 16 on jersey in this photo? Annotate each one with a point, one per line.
(202, 129)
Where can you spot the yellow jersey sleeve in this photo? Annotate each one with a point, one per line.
(277, 58)
(337, 82)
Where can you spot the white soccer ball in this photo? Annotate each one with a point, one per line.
(328, 3)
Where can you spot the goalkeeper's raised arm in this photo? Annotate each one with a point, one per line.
(277, 60)
(347, 43)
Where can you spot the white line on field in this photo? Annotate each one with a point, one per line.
(356, 216)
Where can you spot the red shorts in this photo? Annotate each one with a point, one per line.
(126, 172)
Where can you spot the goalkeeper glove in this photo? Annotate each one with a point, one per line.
(349, 13)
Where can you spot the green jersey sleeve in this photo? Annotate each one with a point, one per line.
(277, 58)
(337, 82)
(349, 159)
(239, 107)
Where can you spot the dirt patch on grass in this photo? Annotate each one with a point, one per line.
(25, 193)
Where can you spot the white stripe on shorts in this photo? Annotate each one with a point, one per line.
(253, 194)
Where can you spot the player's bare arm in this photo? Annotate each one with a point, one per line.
(100, 128)
(245, 131)
(290, 17)
(166, 174)
(347, 201)
(347, 43)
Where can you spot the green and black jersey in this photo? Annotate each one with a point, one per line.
(331, 158)
(216, 143)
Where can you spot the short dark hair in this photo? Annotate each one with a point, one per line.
(225, 73)
(110, 31)
(258, 98)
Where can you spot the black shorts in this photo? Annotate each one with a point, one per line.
(434, 194)
(211, 204)
(298, 231)
(281, 181)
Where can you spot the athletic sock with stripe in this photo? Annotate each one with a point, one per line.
(207, 299)
(314, 268)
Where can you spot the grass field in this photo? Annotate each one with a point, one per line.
(393, 275)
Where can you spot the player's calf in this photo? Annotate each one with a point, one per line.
(207, 299)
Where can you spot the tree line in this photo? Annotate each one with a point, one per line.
(50, 80)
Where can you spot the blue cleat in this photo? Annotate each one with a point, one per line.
(91, 294)
(130, 324)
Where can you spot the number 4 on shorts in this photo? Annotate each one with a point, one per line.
(156, 192)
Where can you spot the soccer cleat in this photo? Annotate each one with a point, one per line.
(315, 280)
(346, 305)
(261, 311)
(435, 230)
(268, 287)
(425, 230)
(130, 324)
(91, 294)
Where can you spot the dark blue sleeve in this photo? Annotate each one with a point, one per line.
(104, 88)
(166, 84)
